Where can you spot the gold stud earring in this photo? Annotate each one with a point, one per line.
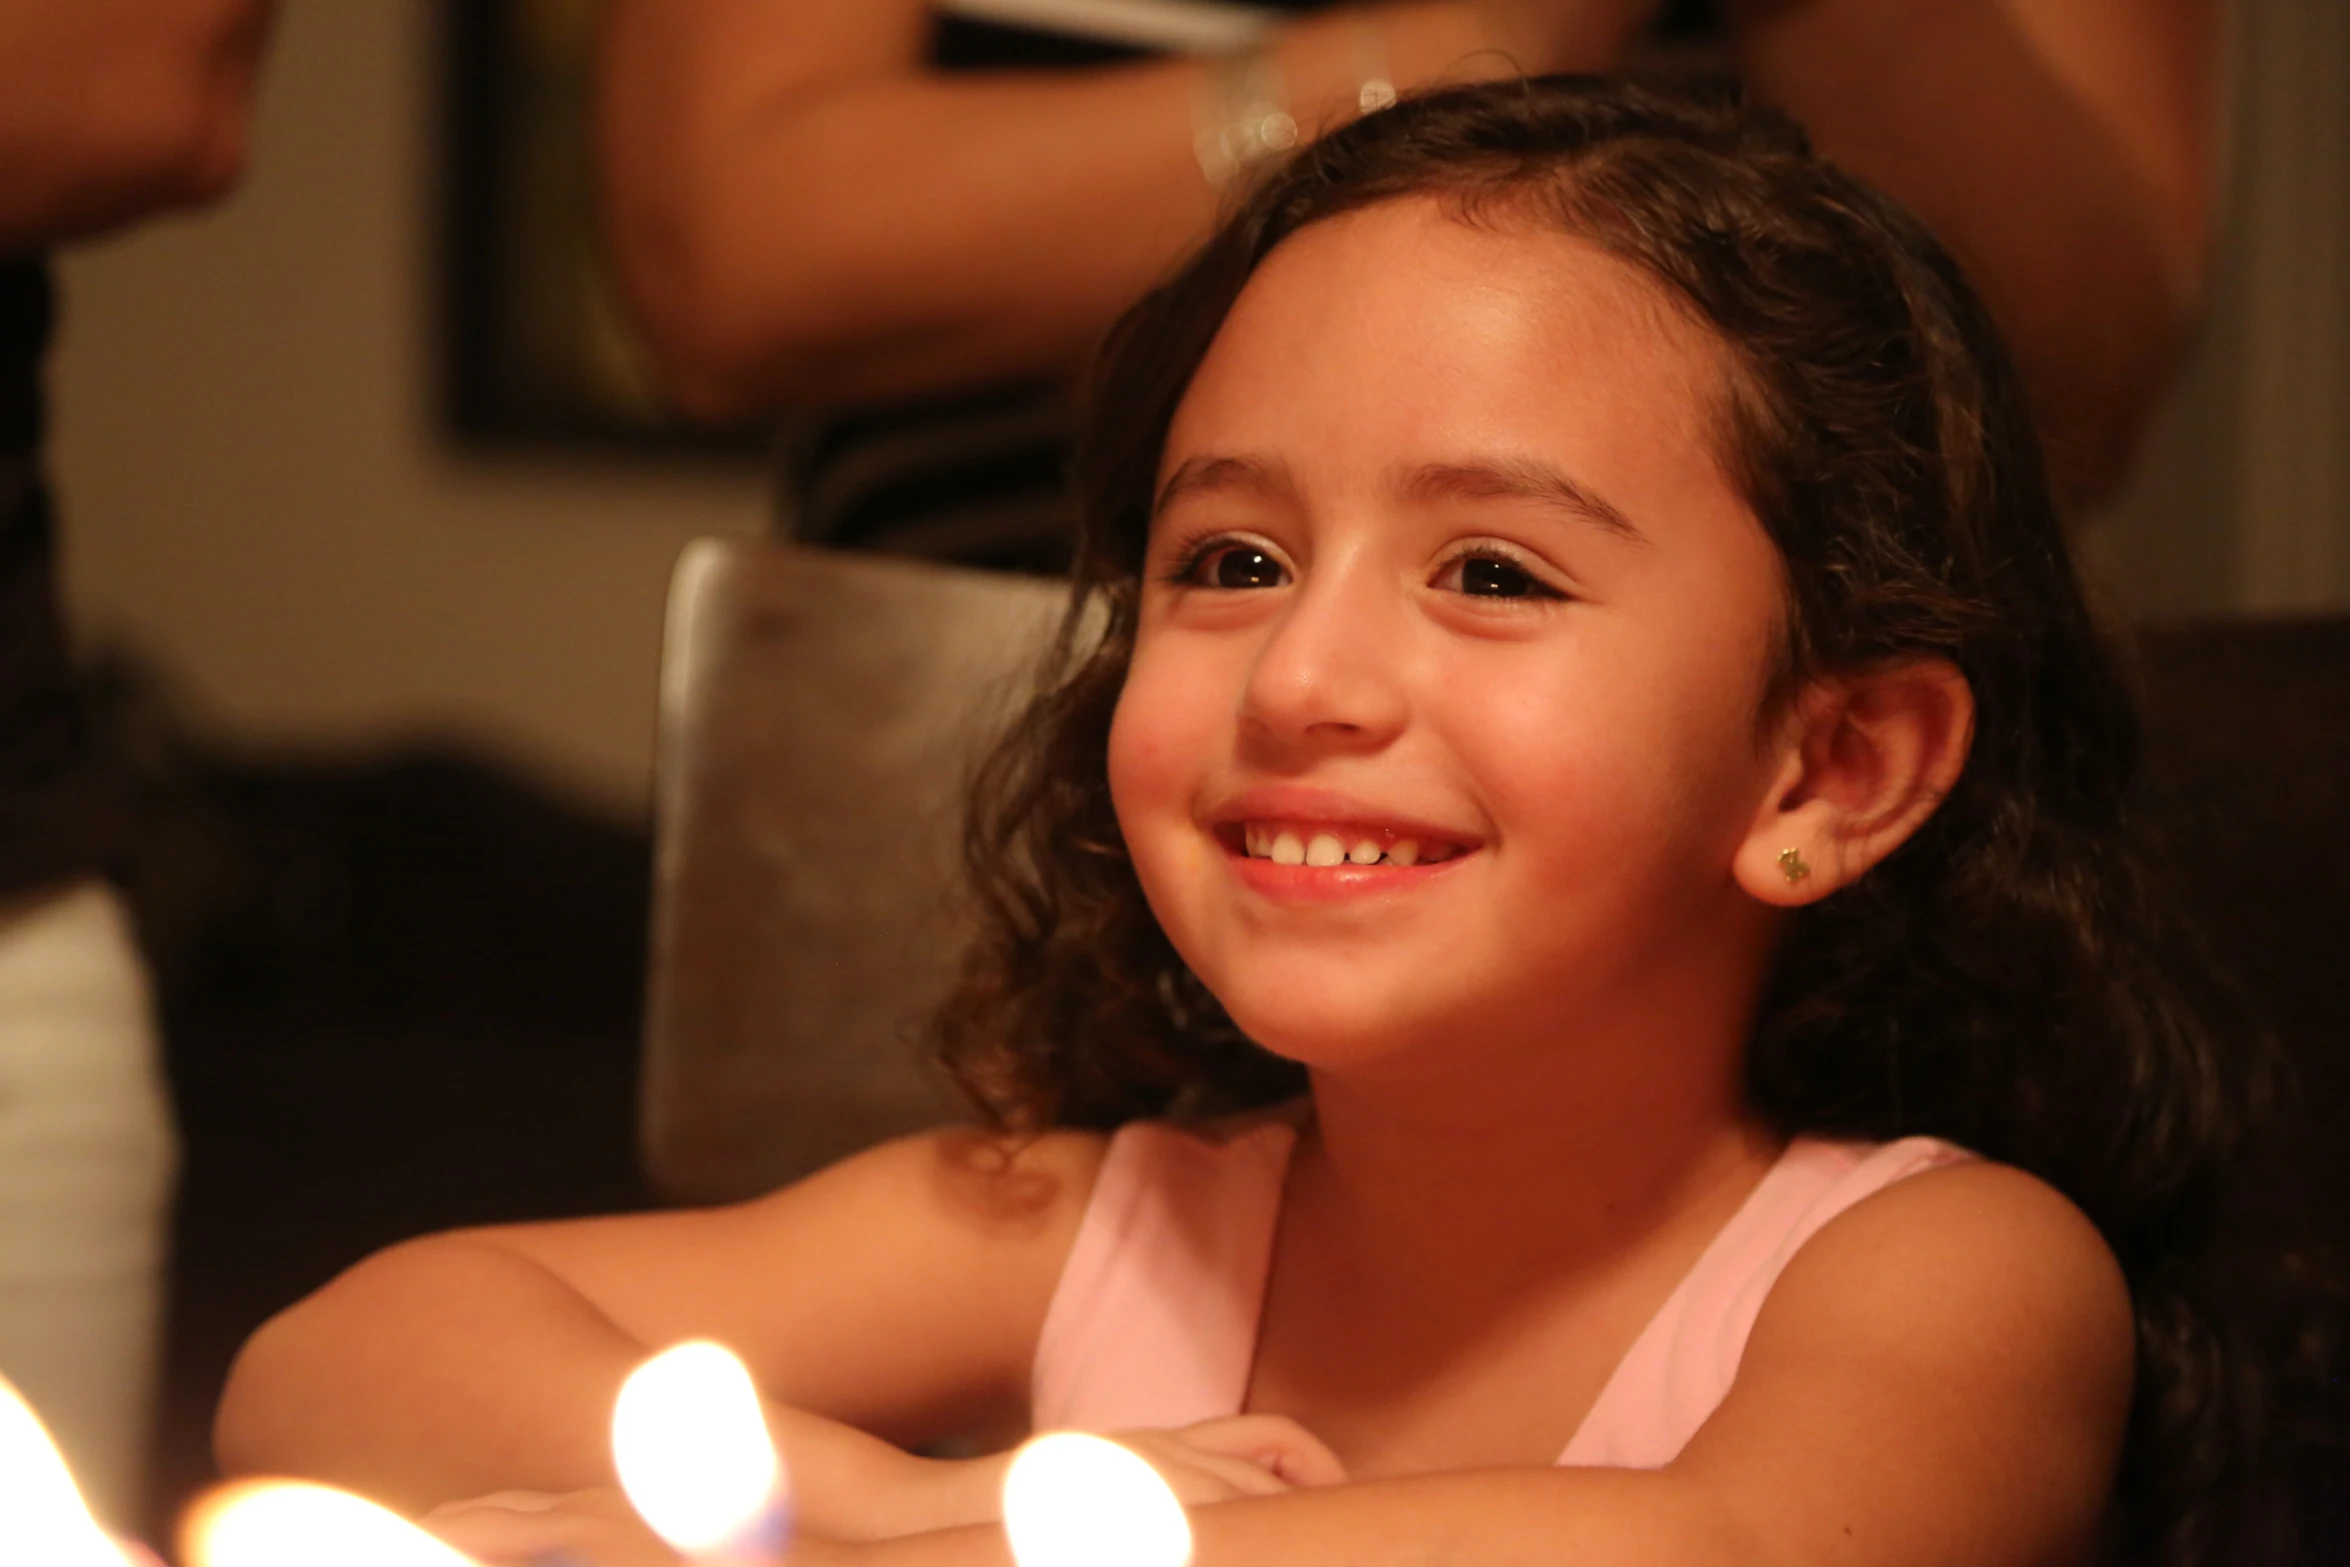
(1791, 865)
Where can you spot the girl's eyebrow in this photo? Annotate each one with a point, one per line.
(1268, 476)
(1501, 478)
(1515, 478)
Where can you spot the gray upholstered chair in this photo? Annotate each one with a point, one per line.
(820, 713)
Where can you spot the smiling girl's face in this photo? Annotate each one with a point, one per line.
(1442, 717)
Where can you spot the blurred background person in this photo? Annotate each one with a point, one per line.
(111, 112)
(924, 218)
(918, 215)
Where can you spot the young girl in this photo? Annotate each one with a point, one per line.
(1565, 978)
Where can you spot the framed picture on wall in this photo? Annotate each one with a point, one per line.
(536, 349)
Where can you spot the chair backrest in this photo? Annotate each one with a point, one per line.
(820, 713)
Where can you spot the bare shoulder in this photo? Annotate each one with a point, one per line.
(1966, 1239)
(1942, 1373)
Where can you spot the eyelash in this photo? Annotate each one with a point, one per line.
(1190, 555)
(1195, 553)
(1538, 587)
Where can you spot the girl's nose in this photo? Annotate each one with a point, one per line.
(1329, 673)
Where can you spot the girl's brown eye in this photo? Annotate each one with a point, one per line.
(1238, 566)
(1482, 576)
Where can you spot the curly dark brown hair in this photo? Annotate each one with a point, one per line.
(2008, 980)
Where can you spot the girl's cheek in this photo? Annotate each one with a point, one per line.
(1151, 715)
(1145, 795)
(1135, 748)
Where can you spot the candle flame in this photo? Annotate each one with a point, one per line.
(42, 1515)
(1072, 1500)
(690, 1442)
(286, 1523)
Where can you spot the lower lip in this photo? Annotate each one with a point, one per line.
(1334, 883)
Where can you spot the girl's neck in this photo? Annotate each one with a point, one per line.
(1546, 1163)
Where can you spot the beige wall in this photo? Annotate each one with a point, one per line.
(255, 491)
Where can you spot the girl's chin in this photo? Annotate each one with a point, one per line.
(1388, 1020)
(1329, 1038)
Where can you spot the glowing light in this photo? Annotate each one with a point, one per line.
(42, 1515)
(1072, 1500)
(283, 1523)
(691, 1444)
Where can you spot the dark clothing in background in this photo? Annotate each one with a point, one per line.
(979, 478)
(61, 814)
(964, 44)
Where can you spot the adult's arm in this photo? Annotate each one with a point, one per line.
(113, 110)
(893, 1299)
(2066, 150)
(801, 209)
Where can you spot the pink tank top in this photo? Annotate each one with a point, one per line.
(1154, 1322)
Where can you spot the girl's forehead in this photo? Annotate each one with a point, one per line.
(1407, 330)
(1431, 252)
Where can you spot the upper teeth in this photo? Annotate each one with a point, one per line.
(1284, 846)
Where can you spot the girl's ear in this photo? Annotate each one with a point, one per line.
(1863, 761)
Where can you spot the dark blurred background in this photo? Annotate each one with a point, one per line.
(385, 678)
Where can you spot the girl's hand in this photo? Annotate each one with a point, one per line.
(1241, 1455)
(1212, 1461)
(590, 1528)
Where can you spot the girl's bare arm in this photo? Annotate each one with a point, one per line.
(801, 209)
(2067, 150)
(895, 1298)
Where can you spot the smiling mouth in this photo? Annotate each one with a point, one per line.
(1325, 847)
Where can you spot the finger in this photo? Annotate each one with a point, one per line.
(606, 1542)
(1196, 1475)
(509, 1501)
(509, 1539)
(1272, 1442)
(500, 1534)
(1237, 1476)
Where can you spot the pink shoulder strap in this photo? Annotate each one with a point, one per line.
(1154, 1322)
(1681, 1366)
